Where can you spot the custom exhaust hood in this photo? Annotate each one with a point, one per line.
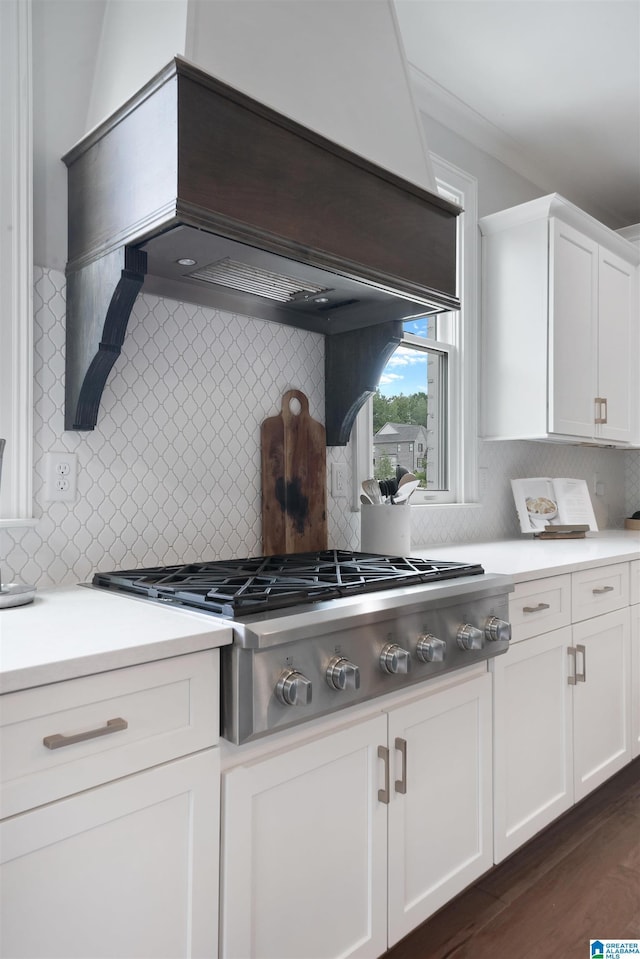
(196, 192)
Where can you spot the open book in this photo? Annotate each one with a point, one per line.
(542, 502)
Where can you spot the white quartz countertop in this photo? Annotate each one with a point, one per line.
(528, 558)
(72, 631)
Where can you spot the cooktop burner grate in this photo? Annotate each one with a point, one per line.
(233, 588)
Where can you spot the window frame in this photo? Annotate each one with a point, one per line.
(16, 265)
(461, 344)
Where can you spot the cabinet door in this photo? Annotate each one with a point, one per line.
(128, 869)
(617, 347)
(533, 732)
(635, 680)
(304, 850)
(573, 317)
(602, 701)
(440, 833)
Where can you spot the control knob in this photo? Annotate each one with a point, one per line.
(497, 630)
(341, 674)
(395, 659)
(430, 649)
(470, 637)
(293, 689)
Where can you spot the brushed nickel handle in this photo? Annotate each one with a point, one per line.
(401, 784)
(571, 678)
(535, 609)
(602, 589)
(598, 416)
(111, 726)
(581, 677)
(383, 794)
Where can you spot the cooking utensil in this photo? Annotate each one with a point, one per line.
(372, 490)
(365, 499)
(294, 484)
(405, 491)
(407, 478)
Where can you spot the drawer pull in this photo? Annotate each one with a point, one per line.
(602, 589)
(401, 746)
(58, 739)
(581, 677)
(535, 609)
(383, 794)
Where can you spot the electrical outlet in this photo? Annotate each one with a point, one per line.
(61, 470)
(338, 480)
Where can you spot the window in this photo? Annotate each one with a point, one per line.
(423, 416)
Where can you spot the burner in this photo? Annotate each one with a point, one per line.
(232, 588)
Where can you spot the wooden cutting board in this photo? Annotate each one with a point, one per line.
(294, 485)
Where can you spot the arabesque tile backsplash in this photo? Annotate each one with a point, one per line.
(172, 471)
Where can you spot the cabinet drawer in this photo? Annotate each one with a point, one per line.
(540, 606)
(634, 582)
(601, 590)
(57, 740)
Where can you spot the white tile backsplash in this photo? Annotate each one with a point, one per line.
(171, 473)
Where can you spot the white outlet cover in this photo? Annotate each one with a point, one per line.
(60, 476)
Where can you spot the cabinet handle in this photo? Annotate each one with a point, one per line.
(601, 403)
(401, 784)
(383, 794)
(535, 609)
(581, 677)
(602, 589)
(111, 726)
(572, 678)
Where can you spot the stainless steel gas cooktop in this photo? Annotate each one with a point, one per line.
(237, 587)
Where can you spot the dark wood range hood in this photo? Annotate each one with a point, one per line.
(269, 220)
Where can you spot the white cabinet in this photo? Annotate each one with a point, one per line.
(304, 858)
(560, 326)
(562, 700)
(126, 869)
(342, 844)
(109, 845)
(440, 832)
(601, 699)
(635, 657)
(533, 739)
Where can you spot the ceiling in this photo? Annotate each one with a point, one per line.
(550, 87)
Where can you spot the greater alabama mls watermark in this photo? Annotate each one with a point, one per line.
(614, 948)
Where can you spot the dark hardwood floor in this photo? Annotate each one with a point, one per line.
(577, 880)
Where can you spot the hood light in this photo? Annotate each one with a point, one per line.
(186, 261)
(321, 299)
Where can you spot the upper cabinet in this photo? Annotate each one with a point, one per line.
(560, 327)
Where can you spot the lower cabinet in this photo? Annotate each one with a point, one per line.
(561, 723)
(601, 699)
(110, 814)
(533, 738)
(121, 870)
(635, 680)
(342, 845)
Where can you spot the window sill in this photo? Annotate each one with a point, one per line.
(17, 523)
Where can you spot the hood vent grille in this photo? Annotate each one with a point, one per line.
(251, 279)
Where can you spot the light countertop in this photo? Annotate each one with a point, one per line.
(72, 631)
(528, 558)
